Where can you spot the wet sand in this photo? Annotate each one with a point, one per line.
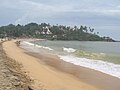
(54, 74)
(93, 77)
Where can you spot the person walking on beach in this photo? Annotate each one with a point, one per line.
(18, 43)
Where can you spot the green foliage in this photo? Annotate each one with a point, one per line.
(55, 32)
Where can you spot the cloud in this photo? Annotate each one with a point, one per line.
(35, 10)
(96, 13)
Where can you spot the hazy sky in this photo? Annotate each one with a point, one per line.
(103, 15)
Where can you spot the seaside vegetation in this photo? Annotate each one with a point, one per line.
(51, 32)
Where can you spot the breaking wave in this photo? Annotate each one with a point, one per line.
(102, 66)
(69, 50)
(38, 46)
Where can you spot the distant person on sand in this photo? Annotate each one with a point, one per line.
(18, 43)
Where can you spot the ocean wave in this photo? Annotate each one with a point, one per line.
(69, 50)
(91, 55)
(31, 44)
(38, 46)
(102, 66)
(47, 48)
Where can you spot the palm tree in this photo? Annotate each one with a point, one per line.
(85, 29)
(91, 30)
(97, 32)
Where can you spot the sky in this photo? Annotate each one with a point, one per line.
(103, 15)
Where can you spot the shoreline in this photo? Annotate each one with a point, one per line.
(105, 67)
(88, 79)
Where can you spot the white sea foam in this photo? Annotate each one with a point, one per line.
(38, 46)
(31, 44)
(47, 48)
(68, 49)
(102, 66)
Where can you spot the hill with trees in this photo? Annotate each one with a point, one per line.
(51, 32)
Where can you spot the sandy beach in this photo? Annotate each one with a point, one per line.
(51, 73)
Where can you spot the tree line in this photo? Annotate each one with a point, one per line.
(51, 32)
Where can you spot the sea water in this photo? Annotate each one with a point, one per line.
(100, 56)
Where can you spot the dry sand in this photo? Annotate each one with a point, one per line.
(51, 73)
(12, 77)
